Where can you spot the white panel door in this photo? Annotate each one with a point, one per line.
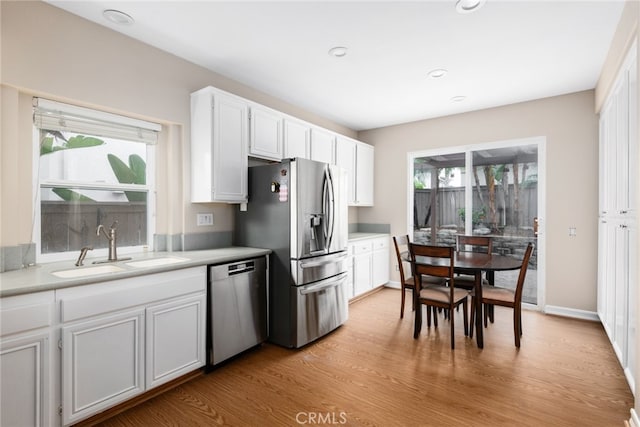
(322, 143)
(102, 363)
(362, 273)
(346, 159)
(230, 160)
(265, 136)
(175, 338)
(296, 139)
(364, 175)
(380, 259)
(24, 370)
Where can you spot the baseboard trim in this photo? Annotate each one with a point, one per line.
(554, 310)
(137, 400)
(572, 312)
(634, 421)
(395, 285)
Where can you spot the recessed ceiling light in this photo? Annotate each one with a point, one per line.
(437, 73)
(338, 51)
(468, 6)
(117, 17)
(458, 98)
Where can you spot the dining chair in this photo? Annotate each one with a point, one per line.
(472, 244)
(506, 297)
(436, 261)
(401, 244)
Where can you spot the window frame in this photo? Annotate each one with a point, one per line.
(38, 184)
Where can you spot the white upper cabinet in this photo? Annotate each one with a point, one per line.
(227, 129)
(296, 139)
(322, 144)
(346, 159)
(364, 174)
(265, 138)
(219, 127)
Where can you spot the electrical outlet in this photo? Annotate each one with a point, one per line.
(203, 219)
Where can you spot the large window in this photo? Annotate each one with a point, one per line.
(489, 189)
(93, 168)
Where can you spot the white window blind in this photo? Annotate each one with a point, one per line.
(53, 115)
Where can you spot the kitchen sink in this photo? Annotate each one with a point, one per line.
(87, 271)
(156, 262)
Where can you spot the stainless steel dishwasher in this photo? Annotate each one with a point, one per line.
(237, 307)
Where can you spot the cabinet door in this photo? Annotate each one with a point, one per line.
(296, 139)
(346, 159)
(175, 337)
(24, 369)
(230, 160)
(102, 363)
(361, 273)
(265, 134)
(322, 143)
(380, 268)
(364, 175)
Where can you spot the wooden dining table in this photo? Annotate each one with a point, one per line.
(474, 263)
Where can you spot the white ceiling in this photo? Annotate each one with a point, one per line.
(508, 51)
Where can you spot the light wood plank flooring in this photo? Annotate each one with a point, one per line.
(371, 372)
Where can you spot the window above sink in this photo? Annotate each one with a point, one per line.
(93, 168)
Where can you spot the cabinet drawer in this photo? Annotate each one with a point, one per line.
(91, 300)
(380, 243)
(362, 247)
(23, 313)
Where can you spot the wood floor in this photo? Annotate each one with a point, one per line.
(371, 372)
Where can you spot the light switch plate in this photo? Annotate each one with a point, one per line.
(203, 219)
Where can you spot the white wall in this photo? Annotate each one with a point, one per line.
(570, 126)
(52, 53)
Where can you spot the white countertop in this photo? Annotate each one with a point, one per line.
(359, 236)
(40, 278)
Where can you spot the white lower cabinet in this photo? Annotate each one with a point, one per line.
(362, 278)
(174, 346)
(123, 337)
(370, 258)
(102, 363)
(380, 259)
(26, 386)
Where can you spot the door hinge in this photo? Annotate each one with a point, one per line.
(60, 344)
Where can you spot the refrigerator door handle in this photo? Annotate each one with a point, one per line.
(324, 284)
(331, 207)
(333, 260)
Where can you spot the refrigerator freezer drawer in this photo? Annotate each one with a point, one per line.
(317, 268)
(320, 308)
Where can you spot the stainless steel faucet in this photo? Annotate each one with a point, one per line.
(83, 253)
(112, 238)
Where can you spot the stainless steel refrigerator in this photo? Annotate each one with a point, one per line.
(298, 209)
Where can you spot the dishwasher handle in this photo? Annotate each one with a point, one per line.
(241, 267)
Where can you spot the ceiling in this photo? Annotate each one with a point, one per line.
(508, 51)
